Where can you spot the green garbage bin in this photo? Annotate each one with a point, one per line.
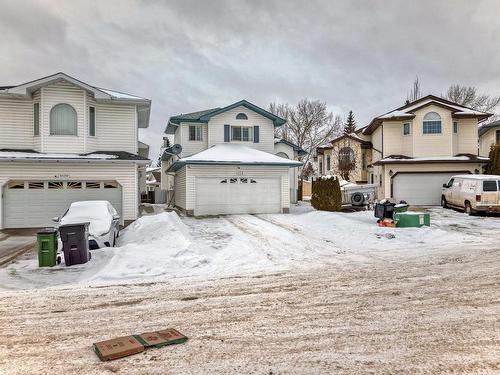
(47, 247)
(412, 219)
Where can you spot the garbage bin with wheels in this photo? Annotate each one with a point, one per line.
(46, 240)
(384, 210)
(75, 240)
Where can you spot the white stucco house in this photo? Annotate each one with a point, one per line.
(64, 140)
(489, 135)
(229, 162)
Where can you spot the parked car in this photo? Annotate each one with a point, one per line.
(104, 221)
(472, 193)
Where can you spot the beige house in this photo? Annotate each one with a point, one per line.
(489, 135)
(64, 140)
(416, 148)
(347, 156)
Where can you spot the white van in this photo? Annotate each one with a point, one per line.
(472, 193)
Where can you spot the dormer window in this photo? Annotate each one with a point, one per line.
(63, 120)
(241, 116)
(432, 123)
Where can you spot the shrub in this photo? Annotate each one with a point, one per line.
(326, 195)
(493, 166)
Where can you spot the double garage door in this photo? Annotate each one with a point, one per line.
(33, 204)
(420, 188)
(237, 195)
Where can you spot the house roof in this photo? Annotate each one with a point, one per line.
(300, 150)
(484, 128)
(353, 136)
(233, 154)
(403, 159)
(406, 112)
(100, 94)
(97, 156)
(205, 115)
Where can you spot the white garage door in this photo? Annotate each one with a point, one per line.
(32, 204)
(420, 188)
(228, 195)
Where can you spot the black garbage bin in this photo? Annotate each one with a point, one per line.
(75, 241)
(384, 210)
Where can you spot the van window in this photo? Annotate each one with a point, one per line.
(489, 186)
(450, 183)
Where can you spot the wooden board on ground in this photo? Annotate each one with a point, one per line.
(117, 348)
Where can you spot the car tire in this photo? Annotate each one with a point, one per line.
(444, 204)
(468, 209)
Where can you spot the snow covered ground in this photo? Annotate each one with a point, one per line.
(166, 247)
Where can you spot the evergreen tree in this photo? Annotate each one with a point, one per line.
(350, 124)
(493, 166)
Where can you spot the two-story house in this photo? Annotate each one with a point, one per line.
(489, 135)
(228, 163)
(63, 140)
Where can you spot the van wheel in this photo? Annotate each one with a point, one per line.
(444, 204)
(468, 209)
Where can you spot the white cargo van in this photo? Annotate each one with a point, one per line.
(472, 193)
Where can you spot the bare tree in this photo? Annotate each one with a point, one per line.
(415, 92)
(309, 125)
(469, 96)
(345, 158)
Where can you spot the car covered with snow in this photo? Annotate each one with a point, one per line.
(104, 221)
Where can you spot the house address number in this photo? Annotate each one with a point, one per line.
(62, 175)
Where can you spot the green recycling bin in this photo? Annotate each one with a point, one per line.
(47, 247)
(412, 219)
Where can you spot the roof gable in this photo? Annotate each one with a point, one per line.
(484, 129)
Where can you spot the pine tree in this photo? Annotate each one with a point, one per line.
(493, 166)
(350, 124)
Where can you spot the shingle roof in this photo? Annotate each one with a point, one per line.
(483, 129)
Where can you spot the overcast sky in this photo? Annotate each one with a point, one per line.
(192, 55)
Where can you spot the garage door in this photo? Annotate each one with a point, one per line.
(32, 204)
(228, 195)
(420, 188)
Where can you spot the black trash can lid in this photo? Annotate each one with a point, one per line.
(86, 224)
(47, 231)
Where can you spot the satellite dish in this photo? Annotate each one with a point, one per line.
(175, 149)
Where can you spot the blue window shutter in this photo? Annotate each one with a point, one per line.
(255, 134)
(226, 133)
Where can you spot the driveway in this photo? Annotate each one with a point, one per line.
(14, 242)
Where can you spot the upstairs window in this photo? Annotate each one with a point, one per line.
(36, 119)
(432, 123)
(92, 121)
(63, 120)
(406, 128)
(241, 116)
(328, 163)
(455, 127)
(497, 137)
(242, 133)
(347, 159)
(195, 133)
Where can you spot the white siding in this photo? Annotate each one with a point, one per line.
(266, 128)
(116, 127)
(232, 171)
(467, 142)
(16, 123)
(191, 147)
(91, 143)
(124, 173)
(52, 95)
(180, 187)
(293, 173)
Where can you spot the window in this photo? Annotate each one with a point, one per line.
(224, 181)
(489, 186)
(35, 185)
(233, 180)
(244, 180)
(92, 185)
(252, 181)
(363, 161)
(497, 137)
(328, 163)
(16, 185)
(455, 127)
(36, 119)
(92, 121)
(406, 128)
(195, 133)
(63, 120)
(432, 123)
(347, 160)
(241, 116)
(74, 185)
(56, 185)
(242, 133)
(110, 185)
(450, 183)
(320, 166)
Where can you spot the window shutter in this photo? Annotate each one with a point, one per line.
(226, 133)
(255, 134)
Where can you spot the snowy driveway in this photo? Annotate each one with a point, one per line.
(167, 247)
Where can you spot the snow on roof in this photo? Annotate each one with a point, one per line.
(479, 176)
(152, 169)
(444, 159)
(120, 95)
(404, 112)
(397, 114)
(38, 155)
(233, 153)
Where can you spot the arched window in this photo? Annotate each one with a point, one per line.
(432, 123)
(241, 116)
(282, 155)
(347, 160)
(63, 120)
